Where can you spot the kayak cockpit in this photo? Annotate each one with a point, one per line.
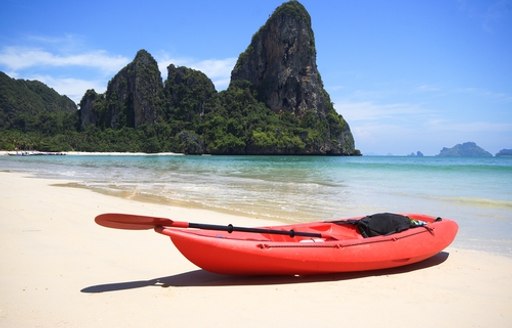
(320, 232)
(327, 232)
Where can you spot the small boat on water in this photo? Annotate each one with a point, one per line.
(374, 242)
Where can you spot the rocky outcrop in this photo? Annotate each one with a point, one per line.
(416, 154)
(89, 107)
(280, 66)
(134, 95)
(186, 93)
(467, 149)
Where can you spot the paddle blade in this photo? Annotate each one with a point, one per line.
(131, 221)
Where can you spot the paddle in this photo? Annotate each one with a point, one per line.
(140, 222)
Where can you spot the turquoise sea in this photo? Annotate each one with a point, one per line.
(476, 192)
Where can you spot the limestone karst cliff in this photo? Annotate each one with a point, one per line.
(134, 95)
(275, 104)
(280, 65)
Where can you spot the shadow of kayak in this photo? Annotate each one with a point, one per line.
(202, 278)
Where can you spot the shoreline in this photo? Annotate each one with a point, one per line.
(146, 187)
(269, 218)
(61, 269)
(81, 153)
(98, 153)
(163, 201)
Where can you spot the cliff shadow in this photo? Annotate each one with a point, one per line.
(202, 278)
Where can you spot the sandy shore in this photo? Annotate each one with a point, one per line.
(59, 269)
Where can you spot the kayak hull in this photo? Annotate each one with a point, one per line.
(341, 248)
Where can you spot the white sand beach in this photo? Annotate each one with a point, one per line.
(59, 269)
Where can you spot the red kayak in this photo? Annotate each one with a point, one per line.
(298, 249)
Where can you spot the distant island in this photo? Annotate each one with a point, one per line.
(416, 154)
(467, 149)
(504, 153)
(275, 104)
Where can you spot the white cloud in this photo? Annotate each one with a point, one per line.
(382, 128)
(402, 128)
(428, 88)
(34, 63)
(484, 93)
(218, 70)
(72, 87)
(21, 58)
(28, 62)
(480, 127)
(370, 111)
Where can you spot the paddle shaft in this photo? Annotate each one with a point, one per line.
(141, 222)
(230, 228)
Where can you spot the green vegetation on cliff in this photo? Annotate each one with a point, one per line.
(34, 116)
(31, 106)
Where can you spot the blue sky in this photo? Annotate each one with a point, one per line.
(406, 75)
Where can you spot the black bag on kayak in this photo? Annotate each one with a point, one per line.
(383, 224)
